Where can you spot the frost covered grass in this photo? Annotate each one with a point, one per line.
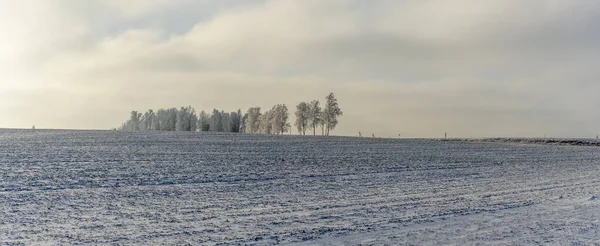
(105, 187)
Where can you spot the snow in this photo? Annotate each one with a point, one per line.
(553, 141)
(147, 188)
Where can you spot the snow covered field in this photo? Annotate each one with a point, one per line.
(103, 187)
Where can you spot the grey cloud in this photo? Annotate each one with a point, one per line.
(474, 68)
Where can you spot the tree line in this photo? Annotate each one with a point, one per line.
(309, 116)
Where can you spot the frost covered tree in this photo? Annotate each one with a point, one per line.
(239, 118)
(216, 122)
(160, 120)
(133, 124)
(134, 121)
(253, 120)
(302, 117)
(279, 119)
(153, 121)
(274, 121)
(266, 122)
(147, 121)
(186, 119)
(170, 119)
(192, 119)
(204, 121)
(225, 121)
(162, 116)
(235, 119)
(180, 123)
(240, 121)
(243, 123)
(314, 116)
(330, 113)
(322, 122)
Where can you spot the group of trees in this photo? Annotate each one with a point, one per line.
(309, 115)
(220, 121)
(184, 119)
(172, 119)
(273, 121)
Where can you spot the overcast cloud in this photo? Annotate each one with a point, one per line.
(418, 68)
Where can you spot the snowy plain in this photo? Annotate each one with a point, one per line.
(148, 188)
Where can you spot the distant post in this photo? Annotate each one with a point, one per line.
(445, 135)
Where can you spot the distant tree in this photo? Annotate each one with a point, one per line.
(283, 119)
(225, 121)
(187, 119)
(330, 113)
(144, 122)
(243, 123)
(216, 121)
(156, 123)
(322, 122)
(171, 120)
(314, 116)
(266, 122)
(240, 121)
(192, 119)
(235, 121)
(279, 118)
(135, 120)
(163, 120)
(162, 117)
(148, 120)
(302, 117)
(180, 123)
(204, 121)
(253, 120)
(274, 121)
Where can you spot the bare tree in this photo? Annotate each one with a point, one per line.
(314, 116)
(135, 121)
(266, 122)
(302, 117)
(204, 121)
(147, 120)
(216, 121)
(279, 118)
(331, 112)
(253, 120)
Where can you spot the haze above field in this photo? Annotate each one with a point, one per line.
(418, 68)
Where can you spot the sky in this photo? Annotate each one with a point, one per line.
(417, 68)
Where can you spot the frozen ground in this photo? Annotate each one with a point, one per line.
(86, 187)
(553, 141)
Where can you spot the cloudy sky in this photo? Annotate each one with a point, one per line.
(418, 68)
